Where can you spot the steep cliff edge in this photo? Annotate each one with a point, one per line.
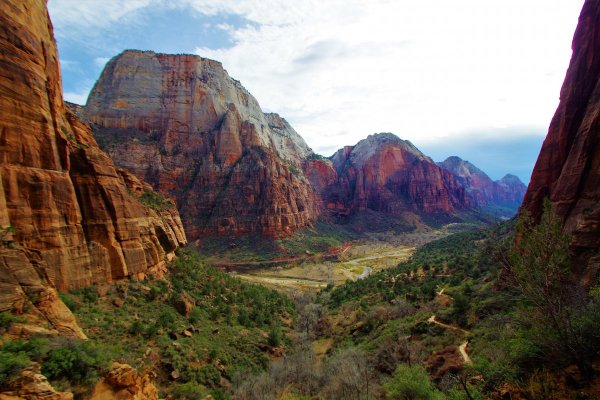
(568, 168)
(507, 192)
(385, 174)
(68, 217)
(182, 124)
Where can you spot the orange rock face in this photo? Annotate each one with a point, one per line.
(386, 174)
(182, 124)
(69, 218)
(123, 382)
(568, 168)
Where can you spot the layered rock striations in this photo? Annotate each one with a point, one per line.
(507, 192)
(68, 217)
(385, 174)
(568, 168)
(182, 124)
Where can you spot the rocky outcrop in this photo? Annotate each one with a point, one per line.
(32, 385)
(68, 217)
(123, 382)
(568, 168)
(507, 192)
(386, 174)
(182, 124)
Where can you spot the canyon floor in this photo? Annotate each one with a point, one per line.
(310, 272)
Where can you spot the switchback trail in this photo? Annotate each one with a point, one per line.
(463, 347)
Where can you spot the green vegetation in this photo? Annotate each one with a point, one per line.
(153, 200)
(321, 238)
(66, 362)
(520, 314)
(411, 383)
(560, 317)
(16, 355)
(6, 319)
(315, 156)
(111, 137)
(223, 334)
(79, 362)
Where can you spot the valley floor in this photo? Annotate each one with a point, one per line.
(353, 260)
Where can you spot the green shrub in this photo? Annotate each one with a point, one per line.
(69, 301)
(154, 200)
(411, 383)
(189, 391)
(80, 362)
(275, 336)
(6, 319)
(137, 328)
(167, 318)
(11, 364)
(210, 376)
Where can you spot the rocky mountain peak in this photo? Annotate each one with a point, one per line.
(510, 179)
(482, 189)
(183, 124)
(373, 144)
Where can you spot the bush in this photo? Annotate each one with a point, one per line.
(11, 364)
(6, 319)
(275, 337)
(80, 362)
(167, 318)
(137, 328)
(18, 354)
(411, 383)
(69, 301)
(189, 391)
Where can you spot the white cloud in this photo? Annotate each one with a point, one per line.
(101, 61)
(423, 70)
(79, 97)
(341, 69)
(84, 16)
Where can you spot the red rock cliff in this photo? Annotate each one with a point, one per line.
(386, 174)
(68, 217)
(181, 123)
(568, 168)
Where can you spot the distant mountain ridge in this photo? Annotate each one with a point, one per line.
(182, 124)
(386, 174)
(507, 192)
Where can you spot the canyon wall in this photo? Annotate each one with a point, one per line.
(69, 218)
(567, 171)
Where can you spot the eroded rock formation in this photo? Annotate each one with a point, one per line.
(123, 382)
(68, 217)
(386, 174)
(568, 168)
(182, 124)
(507, 192)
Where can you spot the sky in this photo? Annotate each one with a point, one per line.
(479, 79)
